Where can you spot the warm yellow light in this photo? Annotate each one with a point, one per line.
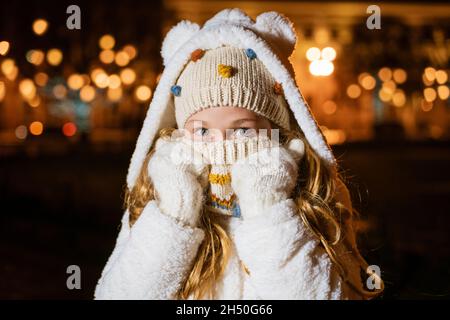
(8, 66)
(41, 79)
(127, 76)
(131, 51)
(426, 81)
(321, 67)
(60, 91)
(389, 87)
(101, 80)
(114, 81)
(40, 26)
(143, 93)
(114, 94)
(430, 74)
(329, 107)
(2, 90)
(429, 94)
(35, 57)
(107, 42)
(334, 136)
(107, 56)
(4, 47)
(366, 81)
(27, 88)
(87, 93)
(328, 53)
(441, 76)
(21, 132)
(399, 76)
(384, 95)
(399, 98)
(95, 72)
(75, 81)
(353, 91)
(36, 128)
(443, 92)
(13, 74)
(35, 101)
(385, 74)
(313, 54)
(54, 56)
(122, 58)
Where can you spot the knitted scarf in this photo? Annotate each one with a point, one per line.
(221, 155)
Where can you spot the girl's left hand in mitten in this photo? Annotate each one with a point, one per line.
(266, 177)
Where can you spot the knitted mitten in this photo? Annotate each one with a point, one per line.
(179, 176)
(266, 177)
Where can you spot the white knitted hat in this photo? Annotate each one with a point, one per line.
(271, 36)
(228, 76)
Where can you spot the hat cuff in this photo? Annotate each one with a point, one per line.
(272, 107)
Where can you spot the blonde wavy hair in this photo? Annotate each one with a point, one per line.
(319, 207)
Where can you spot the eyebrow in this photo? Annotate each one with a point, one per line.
(239, 121)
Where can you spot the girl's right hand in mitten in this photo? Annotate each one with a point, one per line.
(179, 176)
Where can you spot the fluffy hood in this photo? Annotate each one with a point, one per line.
(271, 36)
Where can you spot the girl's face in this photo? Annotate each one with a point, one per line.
(219, 123)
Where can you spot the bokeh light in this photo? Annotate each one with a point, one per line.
(429, 94)
(122, 58)
(21, 132)
(128, 76)
(385, 74)
(143, 93)
(328, 53)
(353, 91)
(69, 129)
(36, 128)
(107, 42)
(87, 93)
(313, 54)
(75, 81)
(54, 57)
(106, 56)
(27, 88)
(4, 48)
(41, 79)
(40, 26)
(35, 57)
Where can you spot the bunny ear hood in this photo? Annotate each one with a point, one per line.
(271, 36)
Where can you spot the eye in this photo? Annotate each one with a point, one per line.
(243, 132)
(201, 132)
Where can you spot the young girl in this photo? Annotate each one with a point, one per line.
(243, 200)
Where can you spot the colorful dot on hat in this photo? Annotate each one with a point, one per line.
(176, 90)
(197, 54)
(277, 88)
(250, 53)
(225, 71)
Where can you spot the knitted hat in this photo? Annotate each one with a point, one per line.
(271, 38)
(228, 76)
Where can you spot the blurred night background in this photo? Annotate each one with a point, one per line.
(72, 103)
